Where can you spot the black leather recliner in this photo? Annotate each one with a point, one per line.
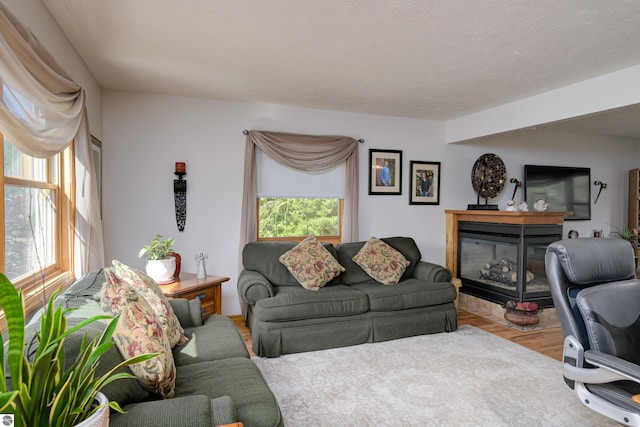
(597, 297)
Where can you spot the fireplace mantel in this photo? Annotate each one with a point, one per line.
(498, 217)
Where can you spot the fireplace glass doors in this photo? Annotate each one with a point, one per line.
(502, 262)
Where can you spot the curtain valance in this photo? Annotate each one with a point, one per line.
(306, 153)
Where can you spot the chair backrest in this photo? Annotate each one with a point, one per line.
(590, 280)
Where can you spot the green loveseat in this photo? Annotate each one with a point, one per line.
(352, 309)
(216, 381)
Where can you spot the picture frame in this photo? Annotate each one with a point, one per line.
(424, 183)
(96, 156)
(385, 172)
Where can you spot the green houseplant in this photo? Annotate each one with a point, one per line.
(41, 391)
(161, 266)
(629, 234)
(159, 248)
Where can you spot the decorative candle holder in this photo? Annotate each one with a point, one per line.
(180, 194)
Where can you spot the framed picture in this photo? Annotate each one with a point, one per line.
(96, 154)
(425, 183)
(385, 172)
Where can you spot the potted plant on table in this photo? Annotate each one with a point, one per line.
(41, 391)
(161, 260)
(630, 235)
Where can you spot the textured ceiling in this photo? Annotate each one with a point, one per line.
(431, 59)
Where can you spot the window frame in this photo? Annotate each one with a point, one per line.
(35, 288)
(329, 239)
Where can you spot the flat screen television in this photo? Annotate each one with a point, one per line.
(563, 188)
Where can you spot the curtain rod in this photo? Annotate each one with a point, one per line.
(246, 132)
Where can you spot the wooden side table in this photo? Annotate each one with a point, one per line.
(208, 290)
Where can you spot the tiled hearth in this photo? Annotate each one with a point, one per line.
(489, 310)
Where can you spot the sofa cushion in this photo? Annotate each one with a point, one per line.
(217, 339)
(380, 261)
(238, 378)
(409, 293)
(148, 289)
(124, 390)
(354, 274)
(88, 286)
(294, 303)
(187, 411)
(311, 264)
(139, 332)
(263, 257)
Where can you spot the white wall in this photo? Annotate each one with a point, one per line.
(602, 93)
(146, 134)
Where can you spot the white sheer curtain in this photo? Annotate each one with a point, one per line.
(305, 153)
(42, 110)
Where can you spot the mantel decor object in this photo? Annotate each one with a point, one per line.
(517, 185)
(180, 194)
(488, 177)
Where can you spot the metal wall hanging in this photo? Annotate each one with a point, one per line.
(517, 185)
(180, 194)
(602, 186)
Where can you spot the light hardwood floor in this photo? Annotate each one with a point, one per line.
(546, 341)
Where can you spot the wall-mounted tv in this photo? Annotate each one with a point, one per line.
(563, 188)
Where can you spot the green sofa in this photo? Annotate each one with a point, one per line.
(216, 381)
(352, 309)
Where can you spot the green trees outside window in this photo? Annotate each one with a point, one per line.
(287, 217)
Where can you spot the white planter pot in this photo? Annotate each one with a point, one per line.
(101, 417)
(162, 270)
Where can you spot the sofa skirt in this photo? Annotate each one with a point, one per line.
(273, 339)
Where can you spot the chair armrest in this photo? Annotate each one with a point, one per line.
(430, 272)
(186, 411)
(611, 363)
(253, 286)
(188, 312)
(607, 369)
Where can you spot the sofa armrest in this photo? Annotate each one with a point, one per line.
(430, 272)
(188, 312)
(187, 411)
(253, 286)
(223, 411)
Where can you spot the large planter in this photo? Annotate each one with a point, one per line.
(101, 417)
(162, 270)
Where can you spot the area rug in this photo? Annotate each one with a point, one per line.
(464, 378)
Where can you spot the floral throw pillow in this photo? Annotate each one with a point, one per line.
(382, 262)
(311, 264)
(148, 289)
(139, 332)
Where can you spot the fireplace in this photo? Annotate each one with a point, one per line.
(501, 262)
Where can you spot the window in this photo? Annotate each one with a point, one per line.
(296, 218)
(293, 204)
(37, 214)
